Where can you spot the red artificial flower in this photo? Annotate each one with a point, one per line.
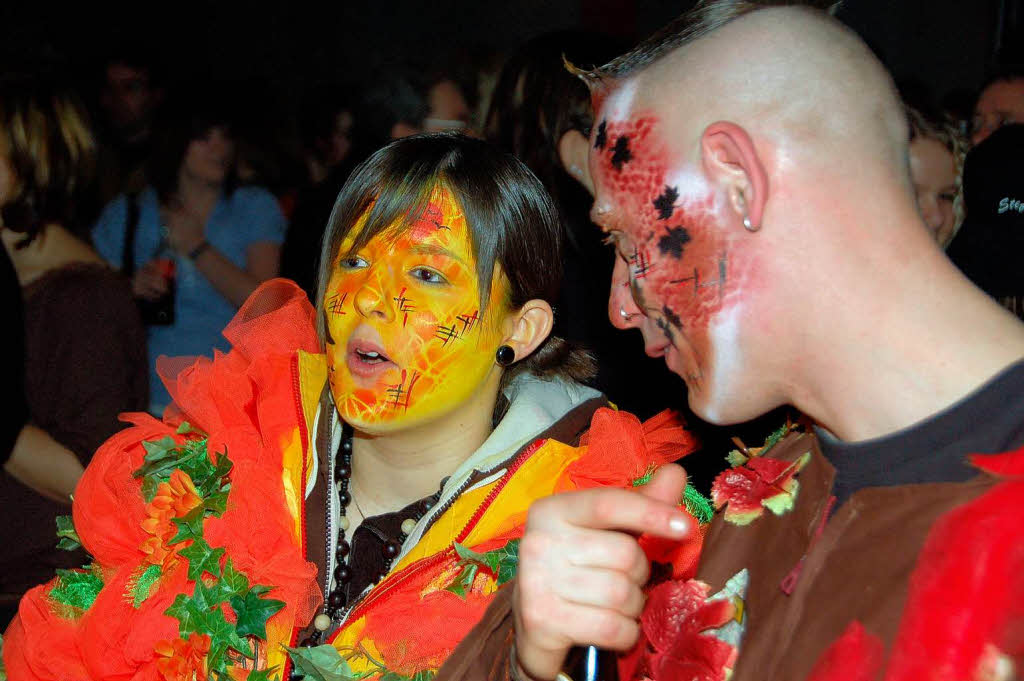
(760, 483)
(673, 643)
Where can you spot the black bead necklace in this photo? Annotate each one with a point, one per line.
(337, 599)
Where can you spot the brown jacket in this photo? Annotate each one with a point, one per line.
(856, 568)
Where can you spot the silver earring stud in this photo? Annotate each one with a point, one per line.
(625, 315)
(748, 225)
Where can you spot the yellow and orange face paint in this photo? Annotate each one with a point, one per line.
(408, 340)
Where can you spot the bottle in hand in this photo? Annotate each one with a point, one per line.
(590, 663)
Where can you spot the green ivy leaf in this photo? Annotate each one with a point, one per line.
(461, 585)
(202, 558)
(149, 488)
(206, 596)
(216, 503)
(252, 613)
(190, 617)
(262, 674)
(3, 672)
(234, 582)
(501, 562)
(190, 526)
(184, 429)
(321, 663)
(218, 471)
(161, 455)
(69, 539)
(144, 584)
(223, 636)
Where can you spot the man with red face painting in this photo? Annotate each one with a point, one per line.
(750, 169)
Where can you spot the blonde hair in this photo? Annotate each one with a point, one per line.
(46, 139)
(946, 132)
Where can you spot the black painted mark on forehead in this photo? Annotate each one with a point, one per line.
(673, 241)
(601, 139)
(665, 204)
(621, 154)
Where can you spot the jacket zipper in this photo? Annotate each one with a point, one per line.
(374, 596)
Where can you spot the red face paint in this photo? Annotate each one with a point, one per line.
(663, 218)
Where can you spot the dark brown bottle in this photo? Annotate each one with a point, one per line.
(590, 663)
(160, 312)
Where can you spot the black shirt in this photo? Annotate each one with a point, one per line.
(988, 421)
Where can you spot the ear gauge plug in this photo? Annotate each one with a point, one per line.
(505, 356)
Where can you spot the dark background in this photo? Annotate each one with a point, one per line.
(279, 50)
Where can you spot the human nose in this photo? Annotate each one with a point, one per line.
(622, 309)
(371, 300)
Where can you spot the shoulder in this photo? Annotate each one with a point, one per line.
(253, 199)
(90, 295)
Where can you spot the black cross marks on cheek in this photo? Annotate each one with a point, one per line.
(335, 303)
(405, 306)
(673, 241)
(601, 138)
(468, 321)
(621, 154)
(438, 225)
(666, 203)
(446, 333)
(640, 264)
(399, 394)
(698, 284)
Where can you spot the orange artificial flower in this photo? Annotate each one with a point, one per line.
(183, 660)
(173, 499)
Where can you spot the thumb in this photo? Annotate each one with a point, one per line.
(667, 484)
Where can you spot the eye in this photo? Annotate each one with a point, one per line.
(352, 262)
(427, 275)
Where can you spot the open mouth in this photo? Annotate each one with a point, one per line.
(367, 359)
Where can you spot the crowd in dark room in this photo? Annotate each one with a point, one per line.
(203, 157)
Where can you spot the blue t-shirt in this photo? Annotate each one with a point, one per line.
(249, 216)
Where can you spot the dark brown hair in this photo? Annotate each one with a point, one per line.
(187, 117)
(511, 220)
(51, 151)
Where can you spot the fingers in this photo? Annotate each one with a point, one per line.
(667, 484)
(619, 509)
(604, 590)
(609, 551)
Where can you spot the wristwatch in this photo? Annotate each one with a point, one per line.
(203, 246)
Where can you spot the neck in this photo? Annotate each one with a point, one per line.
(393, 470)
(53, 247)
(901, 337)
(199, 195)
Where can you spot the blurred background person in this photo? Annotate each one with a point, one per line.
(1001, 101)
(989, 245)
(937, 151)
(326, 128)
(130, 92)
(194, 244)
(84, 357)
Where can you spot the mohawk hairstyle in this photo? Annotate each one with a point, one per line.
(706, 17)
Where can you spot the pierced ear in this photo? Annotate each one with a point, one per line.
(531, 324)
(730, 157)
(573, 148)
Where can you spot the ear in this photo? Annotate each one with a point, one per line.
(573, 148)
(529, 326)
(402, 129)
(730, 158)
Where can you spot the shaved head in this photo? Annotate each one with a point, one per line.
(738, 164)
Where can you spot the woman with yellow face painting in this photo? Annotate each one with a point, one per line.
(342, 494)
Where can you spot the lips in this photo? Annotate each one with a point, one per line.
(366, 358)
